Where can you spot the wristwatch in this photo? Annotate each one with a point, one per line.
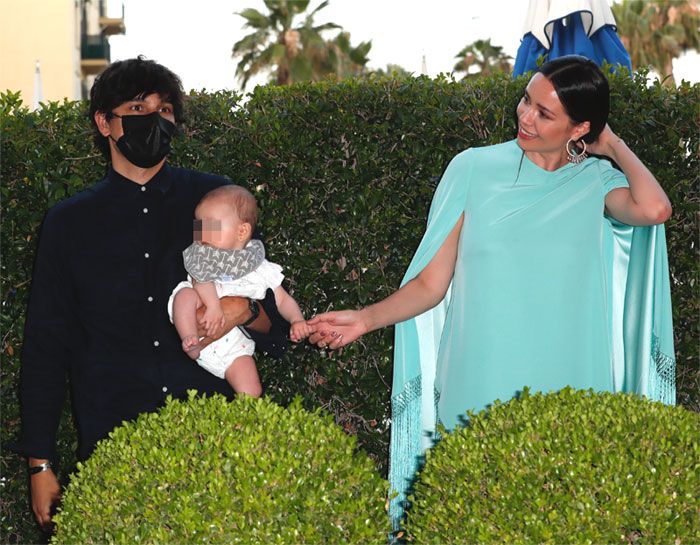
(39, 468)
(254, 312)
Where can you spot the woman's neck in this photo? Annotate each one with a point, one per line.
(547, 161)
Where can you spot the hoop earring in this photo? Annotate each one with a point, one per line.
(572, 153)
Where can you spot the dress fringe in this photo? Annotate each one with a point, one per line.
(662, 375)
(405, 446)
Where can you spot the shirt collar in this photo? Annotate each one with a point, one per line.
(121, 185)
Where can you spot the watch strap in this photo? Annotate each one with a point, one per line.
(40, 468)
(254, 312)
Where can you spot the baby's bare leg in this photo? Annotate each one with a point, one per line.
(185, 307)
(242, 375)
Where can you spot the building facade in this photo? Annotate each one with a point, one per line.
(67, 41)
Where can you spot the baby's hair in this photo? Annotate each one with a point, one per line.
(239, 199)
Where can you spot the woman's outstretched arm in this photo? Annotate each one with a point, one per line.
(340, 328)
(644, 203)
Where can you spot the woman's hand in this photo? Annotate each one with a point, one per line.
(603, 145)
(337, 329)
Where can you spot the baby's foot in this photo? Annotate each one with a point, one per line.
(190, 345)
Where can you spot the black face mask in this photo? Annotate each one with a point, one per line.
(146, 138)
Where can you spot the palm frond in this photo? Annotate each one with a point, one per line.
(254, 19)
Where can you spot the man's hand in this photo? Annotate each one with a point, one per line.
(236, 312)
(46, 492)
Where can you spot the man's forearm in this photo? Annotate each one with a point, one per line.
(42, 397)
(237, 312)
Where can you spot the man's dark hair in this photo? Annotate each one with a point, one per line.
(126, 80)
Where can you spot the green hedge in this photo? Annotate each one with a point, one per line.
(344, 173)
(569, 467)
(207, 470)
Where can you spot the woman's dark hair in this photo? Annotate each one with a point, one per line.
(126, 80)
(582, 89)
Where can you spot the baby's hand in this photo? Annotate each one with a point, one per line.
(213, 320)
(299, 331)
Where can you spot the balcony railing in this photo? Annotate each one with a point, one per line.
(94, 47)
(109, 22)
(94, 54)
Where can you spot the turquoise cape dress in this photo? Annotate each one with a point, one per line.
(547, 292)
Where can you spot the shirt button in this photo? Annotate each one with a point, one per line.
(145, 210)
(150, 299)
(146, 255)
(165, 389)
(156, 343)
(143, 188)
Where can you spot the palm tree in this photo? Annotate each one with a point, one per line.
(276, 41)
(655, 33)
(486, 57)
(339, 58)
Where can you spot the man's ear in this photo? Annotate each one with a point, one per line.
(102, 123)
(581, 130)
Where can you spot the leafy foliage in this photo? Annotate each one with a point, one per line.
(344, 173)
(654, 33)
(296, 51)
(211, 471)
(47, 155)
(485, 57)
(570, 467)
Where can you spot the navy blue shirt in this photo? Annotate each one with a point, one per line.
(107, 261)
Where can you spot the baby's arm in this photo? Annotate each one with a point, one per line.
(213, 319)
(290, 311)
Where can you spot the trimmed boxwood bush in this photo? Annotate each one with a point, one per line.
(210, 471)
(566, 467)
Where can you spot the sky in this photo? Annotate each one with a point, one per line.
(195, 38)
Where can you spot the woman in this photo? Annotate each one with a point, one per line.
(514, 282)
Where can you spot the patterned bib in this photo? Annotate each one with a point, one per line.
(206, 263)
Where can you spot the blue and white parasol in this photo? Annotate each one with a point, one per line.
(564, 27)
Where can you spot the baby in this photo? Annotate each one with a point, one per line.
(224, 261)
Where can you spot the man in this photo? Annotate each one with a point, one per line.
(107, 261)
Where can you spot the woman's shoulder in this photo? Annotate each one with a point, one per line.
(496, 153)
(602, 169)
(504, 149)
